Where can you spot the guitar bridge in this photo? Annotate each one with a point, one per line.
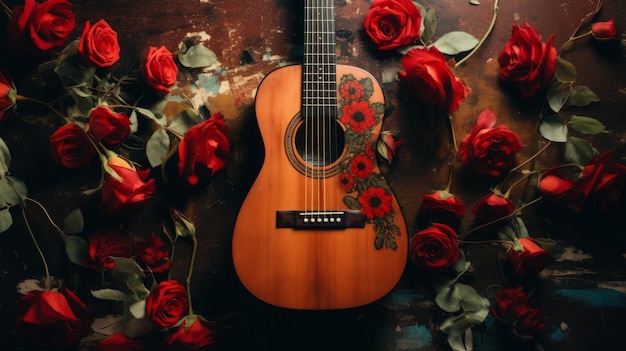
(320, 219)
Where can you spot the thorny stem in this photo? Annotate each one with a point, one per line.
(26, 98)
(45, 211)
(188, 280)
(493, 23)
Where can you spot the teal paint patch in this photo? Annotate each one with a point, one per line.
(557, 334)
(413, 337)
(406, 297)
(598, 297)
(209, 83)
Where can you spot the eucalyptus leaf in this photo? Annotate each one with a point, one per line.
(429, 20)
(583, 96)
(134, 122)
(450, 298)
(196, 56)
(157, 147)
(455, 42)
(184, 121)
(128, 272)
(579, 151)
(137, 307)
(586, 125)
(76, 248)
(109, 294)
(146, 112)
(6, 220)
(18, 191)
(558, 94)
(5, 157)
(553, 128)
(455, 327)
(565, 70)
(74, 222)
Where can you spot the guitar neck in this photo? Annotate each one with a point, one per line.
(319, 82)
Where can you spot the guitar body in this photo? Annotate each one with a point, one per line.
(318, 267)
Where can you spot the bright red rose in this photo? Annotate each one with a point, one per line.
(489, 150)
(204, 149)
(98, 44)
(191, 334)
(392, 23)
(491, 207)
(531, 259)
(51, 319)
(555, 184)
(604, 31)
(104, 244)
(40, 27)
(375, 202)
(527, 62)
(167, 303)
(107, 125)
(442, 207)
(159, 69)
(71, 147)
(435, 248)
(429, 79)
(118, 342)
(154, 253)
(8, 94)
(125, 189)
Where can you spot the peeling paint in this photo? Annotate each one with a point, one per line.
(413, 337)
(597, 297)
(573, 254)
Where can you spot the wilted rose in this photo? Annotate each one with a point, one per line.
(125, 189)
(118, 342)
(8, 94)
(204, 149)
(71, 147)
(555, 184)
(105, 124)
(525, 61)
(392, 23)
(159, 69)
(435, 248)
(531, 259)
(492, 206)
(166, 303)
(98, 44)
(429, 79)
(442, 207)
(489, 150)
(104, 244)
(604, 31)
(191, 334)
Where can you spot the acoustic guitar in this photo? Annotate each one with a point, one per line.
(320, 227)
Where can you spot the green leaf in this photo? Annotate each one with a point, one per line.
(6, 220)
(184, 121)
(455, 42)
(586, 125)
(129, 273)
(137, 306)
(429, 21)
(565, 70)
(449, 298)
(109, 294)
(146, 112)
(157, 147)
(558, 94)
(196, 56)
(76, 249)
(553, 128)
(579, 151)
(583, 96)
(5, 157)
(74, 222)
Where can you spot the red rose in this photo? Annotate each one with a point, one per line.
(527, 62)
(489, 150)
(492, 206)
(109, 126)
(159, 69)
(166, 303)
(118, 342)
(98, 44)
(192, 334)
(392, 23)
(154, 253)
(204, 149)
(40, 27)
(510, 303)
(429, 79)
(125, 189)
(604, 31)
(555, 184)
(8, 94)
(531, 259)
(51, 319)
(104, 244)
(602, 180)
(435, 248)
(71, 147)
(442, 207)
(530, 322)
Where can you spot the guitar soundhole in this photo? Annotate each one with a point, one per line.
(315, 147)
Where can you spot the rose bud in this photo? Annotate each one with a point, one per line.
(388, 144)
(531, 258)
(555, 184)
(604, 31)
(118, 342)
(8, 94)
(442, 207)
(492, 206)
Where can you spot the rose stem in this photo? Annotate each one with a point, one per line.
(43, 258)
(587, 17)
(6, 8)
(188, 280)
(26, 98)
(45, 211)
(493, 22)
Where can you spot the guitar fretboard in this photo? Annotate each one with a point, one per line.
(319, 87)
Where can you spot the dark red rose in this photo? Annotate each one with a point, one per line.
(98, 45)
(204, 149)
(51, 319)
(125, 189)
(375, 202)
(531, 259)
(40, 27)
(8, 94)
(489, 150)
(167, 303)
(358, 115)
(604, 31)
(107, 125)
(429, 79)
(555, 184)
(442, 207)
(527, 62)
(530, 322)
(509, 304)
(159, 69)
(192, 334)
(154, 253)
(491, 207)
(71, 147)
(392, 23)
(435, 248)
(118, 342)
(104, 244)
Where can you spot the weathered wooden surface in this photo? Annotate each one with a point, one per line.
(583, 292)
